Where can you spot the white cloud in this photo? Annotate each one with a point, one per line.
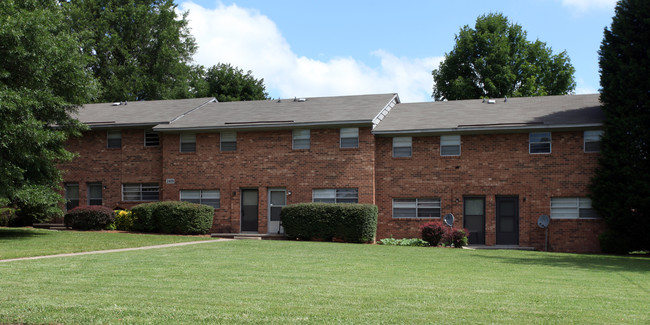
(251, 41)
(582, 6)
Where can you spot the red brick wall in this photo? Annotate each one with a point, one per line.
(491, 165)
(132, 163)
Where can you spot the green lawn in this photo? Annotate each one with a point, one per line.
(25, 242)
(285, 282)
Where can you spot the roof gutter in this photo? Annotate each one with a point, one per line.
(492, 129)
(263, 126)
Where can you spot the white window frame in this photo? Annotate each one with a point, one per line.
(592, 136)
(416, 204)
(533, 136)
(207, 197)
(138, 189)
(301, 139)
(91, 199)
(572, 208)
(228, 141)
(340, 195)
(187, 142)
(349, 137)
(113, 136)
(151, 138)
(447, 142)
(402, 147)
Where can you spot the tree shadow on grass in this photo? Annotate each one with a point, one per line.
(566, 261)
(21, 233)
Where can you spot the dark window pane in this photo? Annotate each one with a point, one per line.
(229, 146)
(349, 142)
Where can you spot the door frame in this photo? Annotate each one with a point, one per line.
(241, 209)
(269, 205)
(497, 218)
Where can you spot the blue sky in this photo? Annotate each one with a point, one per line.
(330, 48)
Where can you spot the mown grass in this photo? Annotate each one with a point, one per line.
(284, 282)
(26, 242)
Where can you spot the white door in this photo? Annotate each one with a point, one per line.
(277, 199)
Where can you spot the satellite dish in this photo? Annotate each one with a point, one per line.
(449, 219)
(543, 221)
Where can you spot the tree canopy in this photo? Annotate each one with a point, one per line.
(494, 59)
(228, 84)
(621, 187)
(42, 79)
(141, 49)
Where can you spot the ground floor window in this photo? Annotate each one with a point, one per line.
(572, 208)
(416, 208)
(342, 195)
(207, 197)
(94, 193)
(71, 195)
(140, 192)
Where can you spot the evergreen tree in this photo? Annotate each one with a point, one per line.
(621, 187)
(494, 59)
(42, 80)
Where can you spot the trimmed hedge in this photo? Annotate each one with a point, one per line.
(94, 217)
(355, 223)
(173, 217)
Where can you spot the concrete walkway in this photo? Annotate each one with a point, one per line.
(114, 250)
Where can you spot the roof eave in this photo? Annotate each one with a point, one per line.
(246, 127)
(479, 130)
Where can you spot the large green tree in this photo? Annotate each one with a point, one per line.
(494, 59)
(141, 49)
(229, 84)
(621, 187)
(42, 79)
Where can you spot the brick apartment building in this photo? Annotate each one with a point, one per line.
(495, 165)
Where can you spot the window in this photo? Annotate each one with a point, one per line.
(114, 139)
(572, 208)
(228, 141)
(71, 195)
(346, 195)
(349, 137)
(301, 139)
(416, 208)
(450, 145)
(207, 197)
(140, 192)
(151, 139)
(402, 146)
(592, 140)
(94, 193)
(188, 142)
(539, 142)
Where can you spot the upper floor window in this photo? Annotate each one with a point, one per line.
(592, 140)
(301, 139)
(539, 142)
(572, 208)
(140, 192)
(342, 195)
(207, 197)
(450, 145)
(349, 137)
(228, 141)
(416, 208)
(151, 139)
(188, 142)
(402, 146)
(114, 139)
(94, 193)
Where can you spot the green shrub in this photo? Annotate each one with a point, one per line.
(433, 232)
(7, 215)
(35, 204)
(456, 237)
(614, 243)
(417, 242)
(173, 217)
(124, 220)
(349, 222)
(89, 217)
